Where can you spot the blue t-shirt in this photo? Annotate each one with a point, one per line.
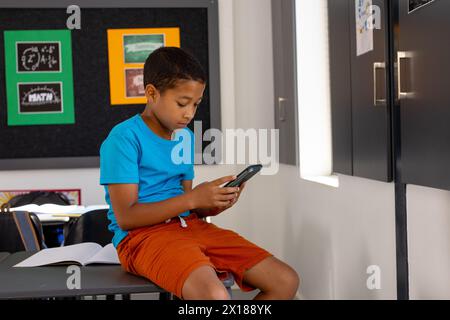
(133, 154)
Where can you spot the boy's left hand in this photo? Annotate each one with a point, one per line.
(216, 211)
(232, 202)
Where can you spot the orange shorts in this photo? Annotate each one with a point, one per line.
(166, 253)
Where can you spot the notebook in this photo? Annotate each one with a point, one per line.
(82, 254)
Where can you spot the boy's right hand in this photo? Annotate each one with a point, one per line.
(209, 195)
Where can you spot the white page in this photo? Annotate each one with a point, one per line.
(56, 208)
(96, 207)
(78, 252)
(107, 255)
(29, 207)
(52, 208)
(49, 208)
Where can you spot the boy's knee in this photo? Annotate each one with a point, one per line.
(209, 292)
(290, 281)
(216, 293)
(294, 279)
(286, 283)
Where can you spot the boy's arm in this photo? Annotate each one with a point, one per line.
(187, 186)
(130, 214)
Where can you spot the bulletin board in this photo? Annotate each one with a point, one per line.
(77, 144)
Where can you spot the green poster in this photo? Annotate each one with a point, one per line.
(39, 80)
(138, 47)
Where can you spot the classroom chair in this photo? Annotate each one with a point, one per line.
(20, 231)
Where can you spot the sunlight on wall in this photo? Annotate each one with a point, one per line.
(313, 74)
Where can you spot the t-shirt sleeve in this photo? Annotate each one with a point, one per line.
(118, 160)
(189, 174)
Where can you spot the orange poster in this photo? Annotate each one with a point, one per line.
(127, 51)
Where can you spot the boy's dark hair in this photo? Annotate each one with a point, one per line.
(167, 65)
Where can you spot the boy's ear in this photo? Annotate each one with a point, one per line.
(151, 93)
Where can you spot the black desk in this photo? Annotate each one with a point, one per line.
(44, 282)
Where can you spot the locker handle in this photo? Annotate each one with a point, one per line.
(400, 56)
(281, 114)
(376, 101)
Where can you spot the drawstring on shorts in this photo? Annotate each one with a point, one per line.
(182, 222)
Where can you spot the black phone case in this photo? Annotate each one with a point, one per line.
(244, 176)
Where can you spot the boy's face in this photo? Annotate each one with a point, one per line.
(176, 107)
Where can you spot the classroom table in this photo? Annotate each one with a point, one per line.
(51, 281)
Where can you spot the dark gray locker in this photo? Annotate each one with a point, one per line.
(340, 85)
(371, 128)
(359, 95)
(284, 55)
(424, 93)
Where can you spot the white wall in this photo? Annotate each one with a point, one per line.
(429, 243)
(330, 236)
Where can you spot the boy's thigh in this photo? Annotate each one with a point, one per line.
(167, 260)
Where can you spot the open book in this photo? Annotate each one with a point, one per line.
(80, 254)
(58, 209)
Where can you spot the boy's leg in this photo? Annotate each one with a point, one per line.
(252, 266)
(171, 257)
(203, 284)
(274, 278)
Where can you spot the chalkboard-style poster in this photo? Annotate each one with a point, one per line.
(39, 79)
(134, 79)
(128, 49)
(38, 56)
(40, 98)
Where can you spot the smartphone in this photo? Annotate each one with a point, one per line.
(244, 176)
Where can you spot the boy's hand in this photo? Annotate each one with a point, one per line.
(211, 195)
(217, 210)
(232, 202)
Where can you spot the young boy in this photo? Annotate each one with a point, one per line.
(155, 214)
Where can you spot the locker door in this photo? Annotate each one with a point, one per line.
(283, 15)
(370, 107)
(340, 86)
(424, 93)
